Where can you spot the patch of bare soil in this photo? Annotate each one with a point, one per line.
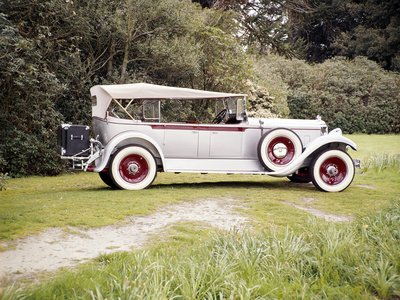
(320, 213)
(365, 186)
(56, 248)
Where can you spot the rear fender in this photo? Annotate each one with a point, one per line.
(334, 137)
(128, 138)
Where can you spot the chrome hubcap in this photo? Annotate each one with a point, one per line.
(133, 169)
(280, 150)
(332, 171)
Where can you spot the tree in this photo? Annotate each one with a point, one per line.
(27, 117)
(53, 51)
(224, 63)
(264, 24)
(349, 28)
(217, 4)
(319, 27)
(375, 32)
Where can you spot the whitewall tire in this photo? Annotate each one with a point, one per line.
(301, 176)
(278, 148)
(106, 177)
(332, 170)
(133, 168)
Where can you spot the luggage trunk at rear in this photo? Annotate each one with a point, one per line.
(73, 140)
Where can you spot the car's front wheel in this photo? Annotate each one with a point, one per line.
(133, 168)
(332, 170)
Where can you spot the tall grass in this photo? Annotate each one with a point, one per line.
(381, 162)
(359, 260)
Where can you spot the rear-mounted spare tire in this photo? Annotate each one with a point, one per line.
(278, 148)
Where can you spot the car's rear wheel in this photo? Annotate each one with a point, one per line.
(278, 148)
(332, 170)
(301, 176)
(133, 168)
(106, 177)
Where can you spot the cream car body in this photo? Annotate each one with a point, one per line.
(129, 149)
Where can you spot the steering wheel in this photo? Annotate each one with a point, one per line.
(219, 117)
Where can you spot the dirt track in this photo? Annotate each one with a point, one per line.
(56, 247)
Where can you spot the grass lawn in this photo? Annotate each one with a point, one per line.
(368, 145)
(30, 205)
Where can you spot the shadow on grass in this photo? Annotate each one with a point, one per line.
(282, 184)
(274, 185)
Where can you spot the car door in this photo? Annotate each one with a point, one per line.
(226, 141)
(181, 140)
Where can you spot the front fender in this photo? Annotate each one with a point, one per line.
(126, 138)
(334, 136)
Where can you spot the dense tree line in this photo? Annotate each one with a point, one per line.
(53, 51)
(355, 95)
(350, 28)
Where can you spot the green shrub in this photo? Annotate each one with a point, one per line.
(267, 93)
(26, 154)
(356, 96)
(28, 118)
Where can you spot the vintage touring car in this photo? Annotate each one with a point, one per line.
(141, 129)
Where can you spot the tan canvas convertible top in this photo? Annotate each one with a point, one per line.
(106, 93)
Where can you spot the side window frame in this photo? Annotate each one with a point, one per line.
(152, 110)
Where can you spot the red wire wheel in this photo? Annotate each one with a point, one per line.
(278, 148)
(332, 170)
(133, 168)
